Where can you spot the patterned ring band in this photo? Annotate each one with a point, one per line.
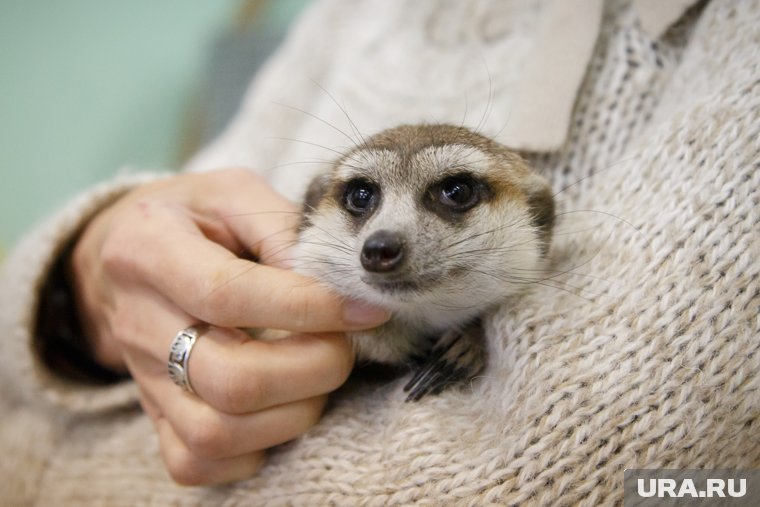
(179, 355)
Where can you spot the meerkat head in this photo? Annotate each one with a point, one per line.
(433, 222)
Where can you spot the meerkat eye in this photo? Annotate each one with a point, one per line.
(359, 196)
(458, 193)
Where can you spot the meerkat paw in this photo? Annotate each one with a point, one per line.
(457, 357)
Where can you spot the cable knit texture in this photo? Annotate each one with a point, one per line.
(638, 350)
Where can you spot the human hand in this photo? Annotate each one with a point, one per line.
(166, 256)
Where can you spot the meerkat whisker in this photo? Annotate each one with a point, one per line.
(439, 225)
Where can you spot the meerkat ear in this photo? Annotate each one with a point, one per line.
(541, 205)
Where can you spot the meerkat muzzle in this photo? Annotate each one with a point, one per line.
(439, 225)
(383, 252)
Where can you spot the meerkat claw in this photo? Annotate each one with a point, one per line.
(454, 359)
(418, 218)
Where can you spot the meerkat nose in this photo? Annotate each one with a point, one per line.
(383, 252)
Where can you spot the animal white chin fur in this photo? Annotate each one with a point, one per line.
(435, 223)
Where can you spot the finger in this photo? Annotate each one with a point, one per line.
(149, 406)
(258, 216)
(183, 464)
(229, 370)
(143, 323)
(237, 375)
(209, 282)
(210, 434)
(188, 469)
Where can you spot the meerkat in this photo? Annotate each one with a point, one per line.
(436, 223)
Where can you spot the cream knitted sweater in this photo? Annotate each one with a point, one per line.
(642, 348)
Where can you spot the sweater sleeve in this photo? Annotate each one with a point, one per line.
(28, 266)
(22, 276)
(277, 97)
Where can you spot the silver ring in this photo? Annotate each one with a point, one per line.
(179, 355)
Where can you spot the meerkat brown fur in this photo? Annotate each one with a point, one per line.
(436, 223)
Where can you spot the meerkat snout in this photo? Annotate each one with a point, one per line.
(437, 224)
(383, 252)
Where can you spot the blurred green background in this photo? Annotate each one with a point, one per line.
(88, 86)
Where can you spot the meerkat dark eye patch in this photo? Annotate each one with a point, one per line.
(360, 196)
(454, 195)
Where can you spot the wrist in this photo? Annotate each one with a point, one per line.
(60, 340)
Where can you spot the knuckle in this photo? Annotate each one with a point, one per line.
(116, 254)
(314, 414)
(205, 437)
(127, 234)
(135, 227)
(345, 363)
(124, 327)
(240, 389)
(338, 359)
(259, 459)
(184, 468)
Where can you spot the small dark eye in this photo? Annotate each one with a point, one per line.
(458, 192)
(360, 196)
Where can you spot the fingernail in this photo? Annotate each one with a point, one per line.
(356, 312)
